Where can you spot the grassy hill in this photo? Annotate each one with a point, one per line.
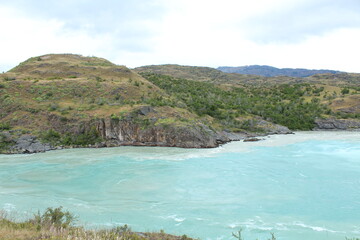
(340, 91)
(61, 98)
(69, 86)
(69, 100)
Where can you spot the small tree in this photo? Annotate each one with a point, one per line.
(345, 91)
(57, 217)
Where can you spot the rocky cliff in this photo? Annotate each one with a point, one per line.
(125, 132)
(337, 124)
(109, 132)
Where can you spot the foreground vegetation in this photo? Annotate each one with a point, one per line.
(57, 224)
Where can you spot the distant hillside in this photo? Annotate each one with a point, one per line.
(64, 100)
(202, 74)
(207, 74)
(268, 71)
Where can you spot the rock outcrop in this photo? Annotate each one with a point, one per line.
(272, 128)
(133, 131)
(128, 133)
(337, 124)
(29, 144)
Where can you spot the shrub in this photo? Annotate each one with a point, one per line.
(53, 107)
(345, 91)
(9, 78)
(5, 126)
(58, 217)
(51, 136)
(87, 138)
(53, 217)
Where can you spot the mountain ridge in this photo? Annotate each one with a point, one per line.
(269, 71)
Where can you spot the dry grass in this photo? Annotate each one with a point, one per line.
(34, 229)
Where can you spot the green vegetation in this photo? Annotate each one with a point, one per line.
(83, 139)
(55, 223)
(5, 142)
(89, 137)
(54, 217)
(284, 104)
(5, 126)
(59, 97)
(345, 91)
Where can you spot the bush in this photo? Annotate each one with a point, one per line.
(87, 138)
(53, 217)
(5, 126)
(345, 91)
(9, 78)
(58, 217)
(51, 136)
(53, 107)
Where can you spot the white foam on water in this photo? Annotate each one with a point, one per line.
(121, 181)
(302, 175)
(175, 218)
(178, 154)
(253, 224)
(314, 228)
(9, 207)
(281, 227)
(282, 140)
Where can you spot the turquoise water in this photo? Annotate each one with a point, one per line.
(302, 186)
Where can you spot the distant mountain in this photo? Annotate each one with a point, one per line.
(268, 71)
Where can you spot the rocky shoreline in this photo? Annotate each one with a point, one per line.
(115, 133)
(28, 144)
(125, 133)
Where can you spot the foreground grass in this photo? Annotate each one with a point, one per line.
(56, 224)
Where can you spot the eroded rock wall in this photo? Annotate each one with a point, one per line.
(119, 133)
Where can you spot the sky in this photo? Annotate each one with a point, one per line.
(314, 34)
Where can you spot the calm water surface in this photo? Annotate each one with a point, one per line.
(302, 186)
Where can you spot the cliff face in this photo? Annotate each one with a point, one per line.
(124, 132)
(337, 124)
(128, 132)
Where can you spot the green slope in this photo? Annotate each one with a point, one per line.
(64, 98)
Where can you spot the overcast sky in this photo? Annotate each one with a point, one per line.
(316, 34)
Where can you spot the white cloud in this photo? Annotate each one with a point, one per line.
(22, 37)
(210, 33)
(190, 32)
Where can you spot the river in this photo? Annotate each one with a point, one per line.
(301, 186)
